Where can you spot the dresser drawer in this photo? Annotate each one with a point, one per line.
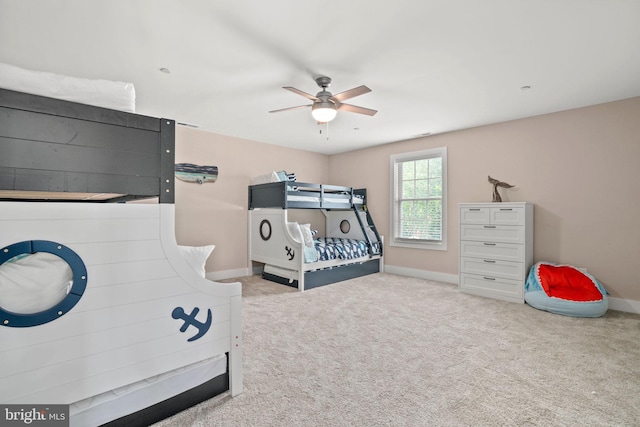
(508, 290)
(492, 233)
(506, 216)
(497, 251)
(475, 215)
(494, 215)
(492, 268)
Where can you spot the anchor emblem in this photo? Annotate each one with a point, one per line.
(290, 252)
(190, 320)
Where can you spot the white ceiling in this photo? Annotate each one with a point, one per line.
(433, 66)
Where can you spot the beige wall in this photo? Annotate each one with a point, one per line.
(579, 167)
(216, 213)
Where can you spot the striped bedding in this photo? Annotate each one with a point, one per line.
(329, 248)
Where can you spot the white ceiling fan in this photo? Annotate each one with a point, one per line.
(325, 105)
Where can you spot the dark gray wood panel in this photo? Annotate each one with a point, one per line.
(72, 182)
(167, 161)
(59, 146)
(32, 126)
(29, 154)
(61, 108)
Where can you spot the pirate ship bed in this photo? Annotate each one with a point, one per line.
(291, 254)
(124, 310)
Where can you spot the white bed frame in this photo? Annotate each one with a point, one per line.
(121, 331)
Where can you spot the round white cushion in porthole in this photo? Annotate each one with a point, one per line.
(33, 283)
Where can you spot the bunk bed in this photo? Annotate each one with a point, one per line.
(291, 252)
(132, 334)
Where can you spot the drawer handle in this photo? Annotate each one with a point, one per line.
(489, 244)
(474, 209)
(488, 278)
(490, 261)
(506, 209)
(489, 226)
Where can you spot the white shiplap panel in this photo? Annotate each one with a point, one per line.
(121, 331)
(85, 323)
(97, 253)
(129, 272)
(30, 211)
(70, 359)
(69, 223)
(68, 231)
(62, 389)
(235, 355)
(96, 298)
(44, 356)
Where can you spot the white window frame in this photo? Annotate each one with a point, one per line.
(440, 245)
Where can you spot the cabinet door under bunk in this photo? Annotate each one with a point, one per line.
(294, 254)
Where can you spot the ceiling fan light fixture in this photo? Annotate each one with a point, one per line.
(325, 105)
(324, 111)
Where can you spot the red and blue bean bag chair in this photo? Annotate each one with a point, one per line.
(563, 289)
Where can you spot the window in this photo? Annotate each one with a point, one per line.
(418, 195)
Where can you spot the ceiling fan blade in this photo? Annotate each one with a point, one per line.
(356, 109)
(351, 93)
(290, 108)
(299, 92)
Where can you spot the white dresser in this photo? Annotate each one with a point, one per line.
(496, 249)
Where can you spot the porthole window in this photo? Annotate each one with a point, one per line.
(345, 226)
(39, 282)
(265, 230)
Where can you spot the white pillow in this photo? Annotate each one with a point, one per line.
(294, 230)
(196, 256)
(310, 252)
(307, 234)
(34, 283)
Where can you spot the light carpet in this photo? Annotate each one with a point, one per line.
(386, 350)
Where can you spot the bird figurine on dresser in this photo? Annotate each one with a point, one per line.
(496, 184)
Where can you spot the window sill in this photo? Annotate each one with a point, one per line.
(429, 246)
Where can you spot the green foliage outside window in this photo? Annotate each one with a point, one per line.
(420, 199)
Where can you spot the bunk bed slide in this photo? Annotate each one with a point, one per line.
(292, 254)
(129, 333)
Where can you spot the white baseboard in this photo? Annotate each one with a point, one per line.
(422, 274)
(228, 274)
(628, 305)
(618, 304)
